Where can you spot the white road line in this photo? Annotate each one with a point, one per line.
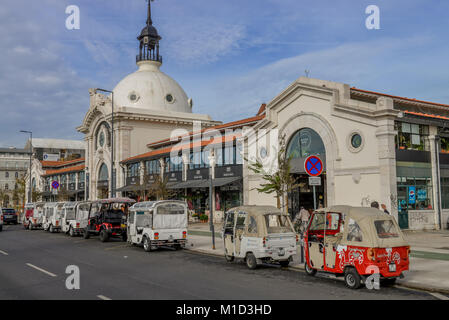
(439, 296)
(103, 297)
(41, 270)
(3, 252)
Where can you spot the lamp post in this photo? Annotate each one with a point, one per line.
(112, 143)
(211, 208)
(30, 198)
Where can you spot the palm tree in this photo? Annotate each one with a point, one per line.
(280, 182)
(159, 188)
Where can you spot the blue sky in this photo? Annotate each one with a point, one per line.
(229, 56)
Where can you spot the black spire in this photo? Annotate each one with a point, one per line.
(149, 41)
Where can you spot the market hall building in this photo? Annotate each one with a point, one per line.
(374, 146)
(147, 103)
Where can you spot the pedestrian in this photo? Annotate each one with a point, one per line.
(304, 216)
(375, 204)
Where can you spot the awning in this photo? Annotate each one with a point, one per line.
(129, 188)
(203, 183)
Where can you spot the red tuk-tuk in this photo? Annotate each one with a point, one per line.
(355, 242)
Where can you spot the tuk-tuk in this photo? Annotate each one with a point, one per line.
(259, 234)
(68, 217)
(355, 242)
(33, 215)
(158, 223)
(107, 218)
(48, 213)
(56, 218)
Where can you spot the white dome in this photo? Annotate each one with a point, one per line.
(150, 88)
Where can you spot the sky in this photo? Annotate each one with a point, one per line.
(229, 56)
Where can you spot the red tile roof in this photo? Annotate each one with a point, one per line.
(434, 116)
(354, 89)
(191, 145)
(78, 168)
(56, 164)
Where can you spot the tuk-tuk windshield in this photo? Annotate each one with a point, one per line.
(277, 223)
(170, 208)
(70, 213)
(386, 229)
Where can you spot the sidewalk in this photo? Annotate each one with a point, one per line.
(429, 257)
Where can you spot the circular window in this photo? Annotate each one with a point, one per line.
(356, 141)
(169, 98)
(133, 97)
(263, 152)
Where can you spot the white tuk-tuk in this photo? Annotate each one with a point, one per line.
(33, 218)
(158, 223)
(68, 215)
(259, 234)
(52, 216)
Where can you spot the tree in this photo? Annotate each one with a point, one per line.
(3, 195)
(20, 191)
(159, 188)
(280, 182)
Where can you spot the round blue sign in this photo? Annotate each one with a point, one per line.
(55, 184)
(313, 166)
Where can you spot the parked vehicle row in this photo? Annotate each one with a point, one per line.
(351, 242)
(150, 224)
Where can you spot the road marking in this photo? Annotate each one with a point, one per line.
(41, 270)
(439, 296)
(3, 252)
(103, 297)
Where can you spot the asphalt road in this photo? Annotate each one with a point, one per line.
(33, 266)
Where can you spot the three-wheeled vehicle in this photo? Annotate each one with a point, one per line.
(107, 218)
(156, 224)
(54, 221)
(259, 234)
(68, 217)
(355, 242)
(49, 209)
(34, 213)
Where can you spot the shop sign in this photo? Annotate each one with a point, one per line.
(228, 171)
(412, 195)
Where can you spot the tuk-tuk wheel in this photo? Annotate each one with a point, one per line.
(251, 261)
(146, 244)
(30, 226)
(71, 232)
(309, 271)
(104, 236)
(229, 258)
(352, 278)
(86, 234)
(51, 229)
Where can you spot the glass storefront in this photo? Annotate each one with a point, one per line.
(414, 181)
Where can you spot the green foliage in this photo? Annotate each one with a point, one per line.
(280, 182)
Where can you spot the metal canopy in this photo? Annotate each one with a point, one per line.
(203, 183)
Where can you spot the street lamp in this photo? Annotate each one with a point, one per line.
(30, 198)
(211, 209)
(112, 143)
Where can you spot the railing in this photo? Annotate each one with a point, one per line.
(149, 57)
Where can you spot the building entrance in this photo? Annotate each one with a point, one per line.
(303, 195)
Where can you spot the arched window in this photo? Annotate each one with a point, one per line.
(304, 143)
(6, 174)
(103, 175)
(6, 186)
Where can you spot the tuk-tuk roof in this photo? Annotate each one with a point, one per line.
(365, 218)
(152, 204)
(70, 204)
(355, 212)
(50, 204)
(255, 210)
(115, 200)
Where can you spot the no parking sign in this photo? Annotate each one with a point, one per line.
(313, 166)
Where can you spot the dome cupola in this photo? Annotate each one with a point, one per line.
(149, 41)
